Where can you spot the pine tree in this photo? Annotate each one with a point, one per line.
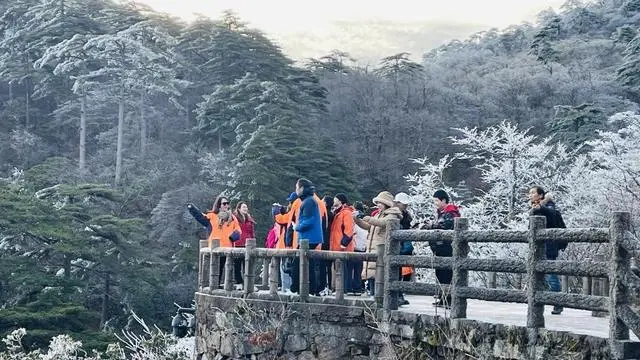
(629, 73)
(542, 47)
(575, 125)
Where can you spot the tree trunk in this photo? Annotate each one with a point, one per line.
(513, 191)
(27, 98)
(220, 140)
(187, 117)
(120, 133)
(67, 267)
(105, 301)
(143, 128)
(11, 90)
(83, 131)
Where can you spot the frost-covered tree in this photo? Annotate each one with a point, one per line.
(509, 161)
(132, 63)
(429, 178)
(618, 158)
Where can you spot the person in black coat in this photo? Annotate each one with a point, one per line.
(542, 205)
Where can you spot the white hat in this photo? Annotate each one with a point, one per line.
(402, 198)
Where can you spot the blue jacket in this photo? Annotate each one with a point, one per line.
(309, 225)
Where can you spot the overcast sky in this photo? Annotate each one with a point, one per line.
(366, 29)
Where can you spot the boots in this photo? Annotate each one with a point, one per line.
(402, 300)
(557, 310)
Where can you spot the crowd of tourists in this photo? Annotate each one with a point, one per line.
(334, 223)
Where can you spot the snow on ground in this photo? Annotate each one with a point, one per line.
(187, 344)
(571, 320)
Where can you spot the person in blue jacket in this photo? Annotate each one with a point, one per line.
(308, 227)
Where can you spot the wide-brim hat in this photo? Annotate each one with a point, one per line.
(384, 197)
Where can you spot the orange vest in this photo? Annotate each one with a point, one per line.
(283, 221)
(222, 232)
(292, 216)
(341, 226)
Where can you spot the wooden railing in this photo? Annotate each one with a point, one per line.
(209, 277)
(615, 269)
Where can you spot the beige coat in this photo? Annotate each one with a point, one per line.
(377, 227)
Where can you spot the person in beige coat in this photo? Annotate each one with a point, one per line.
(377, 226)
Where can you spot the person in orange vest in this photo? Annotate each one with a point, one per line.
(342, 239)
(283, 220)
(220, 223)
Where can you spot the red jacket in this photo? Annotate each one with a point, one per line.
(248, 232)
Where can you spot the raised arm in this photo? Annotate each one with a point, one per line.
(363, 225)
(198, 215)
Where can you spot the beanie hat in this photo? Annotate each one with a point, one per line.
(359, 206)
(275, 209)
(442, 195)
(384, 197)
(343, 198)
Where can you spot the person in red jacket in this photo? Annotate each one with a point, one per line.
(247, 226)
(446, 213)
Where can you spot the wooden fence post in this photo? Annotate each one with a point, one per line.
(229, 278)
(379, 278)
(304, 270)
(535, 282)
(491, 276)
(266, 270)
(586, 285)
(598, 287)
(460, 277)
(249, 266)
(274, 273)
(391, 272)
(339, 280)
(564, 283)
(214, 267)
(203, 262)
(619, 267)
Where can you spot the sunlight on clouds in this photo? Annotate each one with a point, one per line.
(295, 15)
(365, 28)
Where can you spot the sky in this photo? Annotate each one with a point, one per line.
(367, 30)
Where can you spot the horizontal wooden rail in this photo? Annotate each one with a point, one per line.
(415, 288)
(582, 235)
(422, 235)
(573, 268)
(257, 252)
(421, 261)
(575, 301)
(342, 255)
(262, 253)
(499, 295)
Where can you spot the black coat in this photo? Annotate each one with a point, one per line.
(554, 220)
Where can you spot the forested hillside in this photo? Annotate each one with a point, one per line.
(113, 117)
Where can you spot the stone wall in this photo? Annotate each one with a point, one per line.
(256, 328)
